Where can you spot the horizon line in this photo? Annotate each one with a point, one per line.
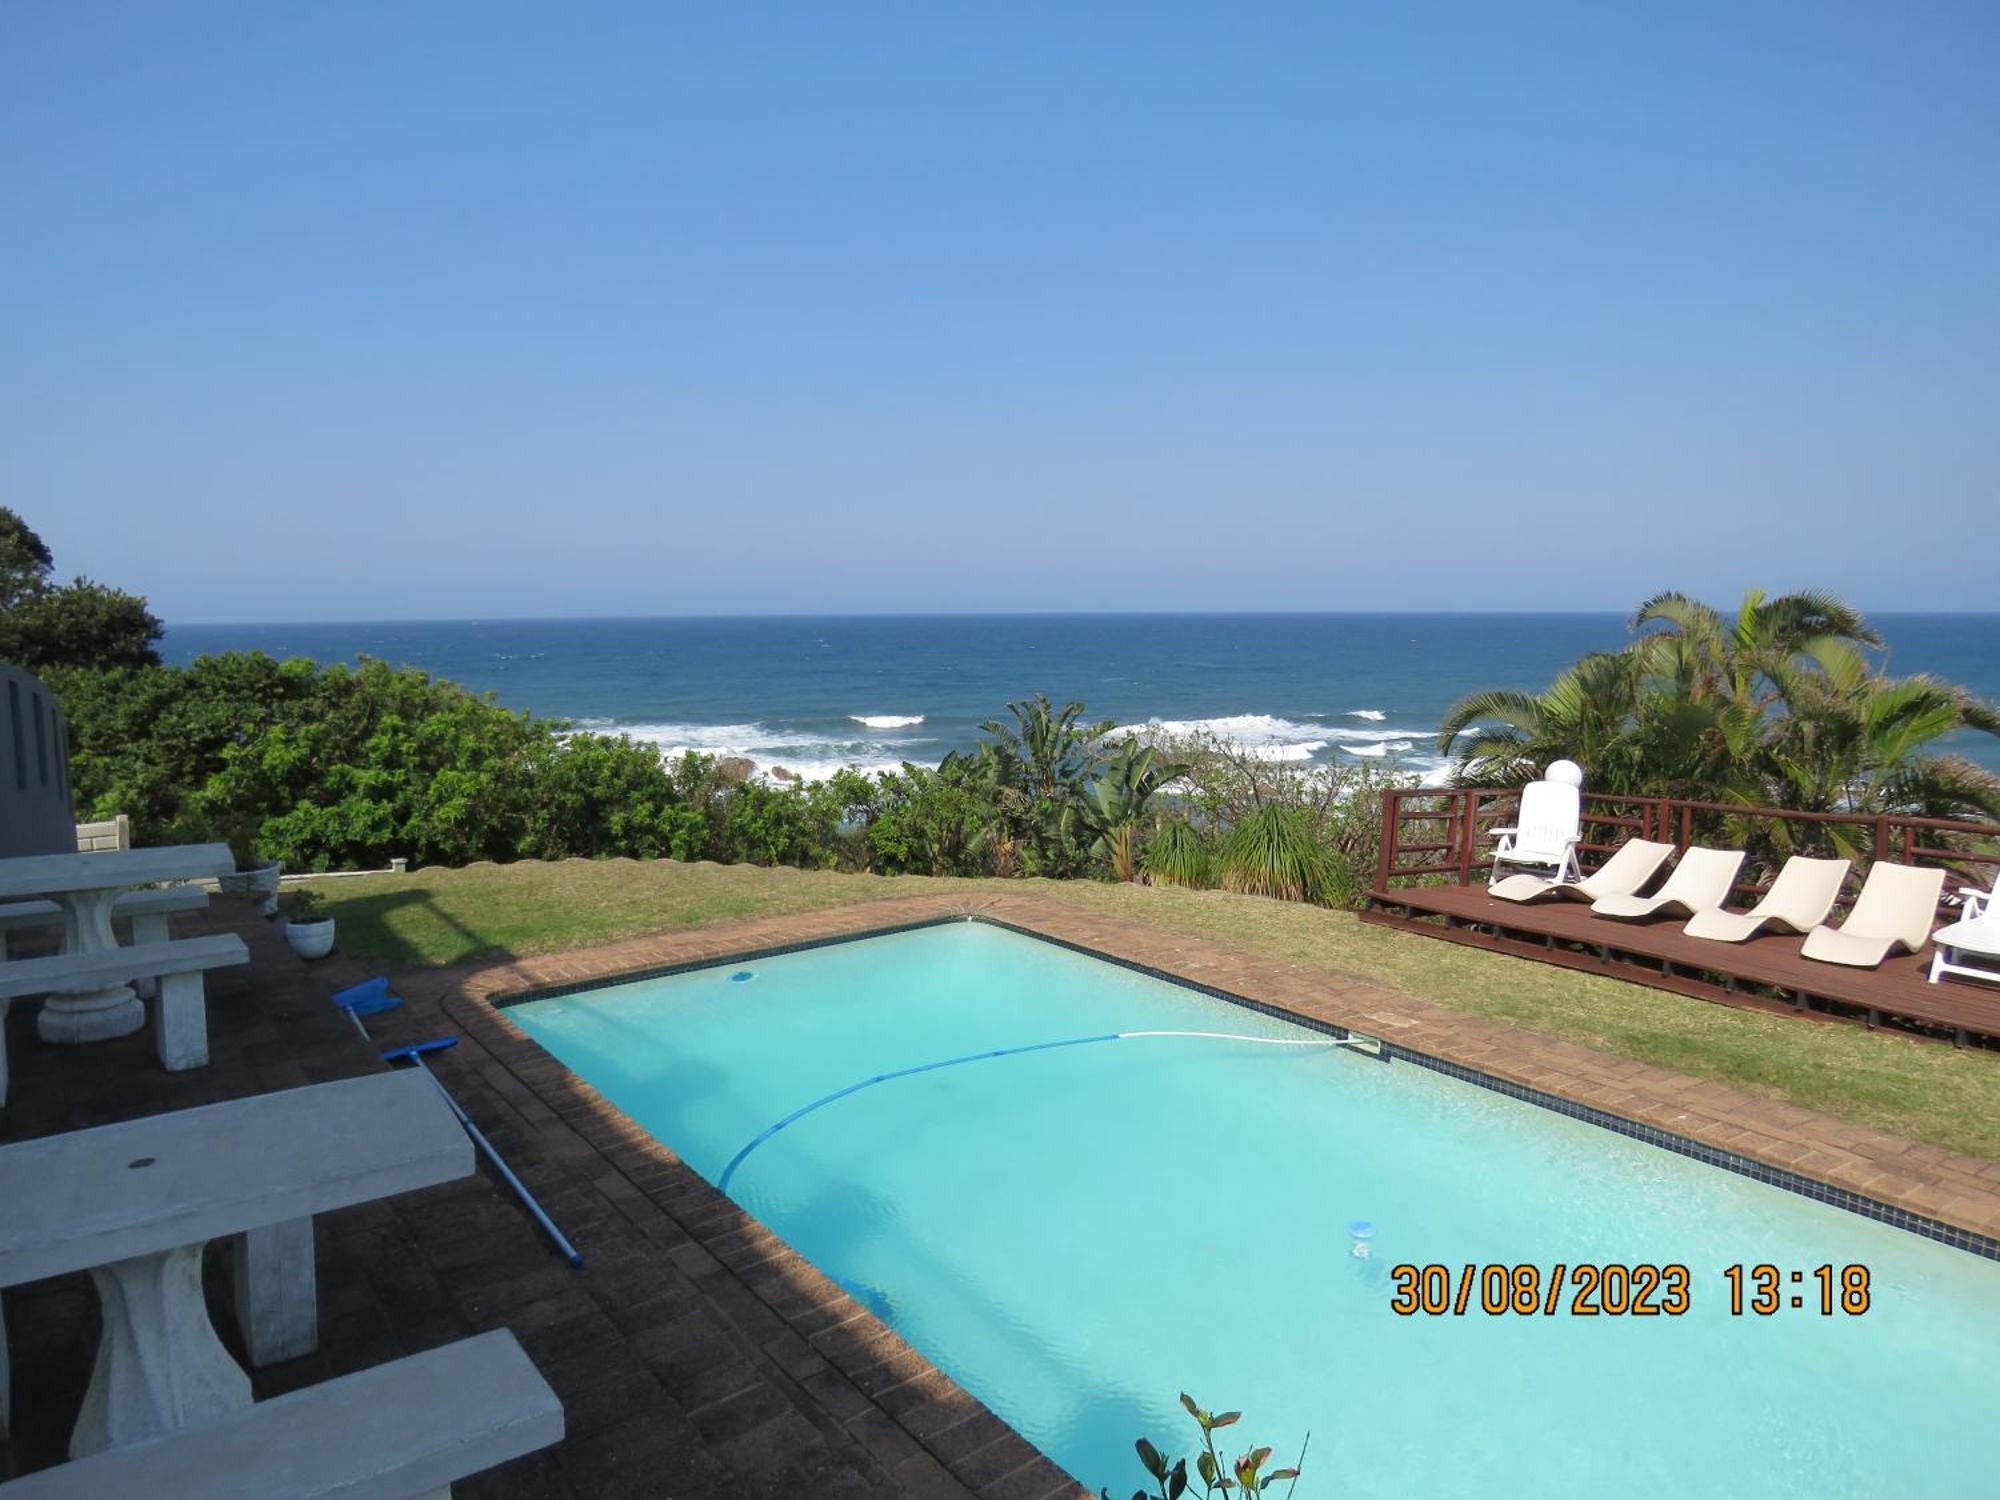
(977, 614)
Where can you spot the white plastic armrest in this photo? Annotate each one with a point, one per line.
(1501, 833)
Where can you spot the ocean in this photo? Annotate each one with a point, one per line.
(812, 694)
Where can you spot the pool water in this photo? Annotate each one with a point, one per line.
(1076, 1234)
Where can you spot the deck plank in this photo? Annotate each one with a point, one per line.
(1900, 987)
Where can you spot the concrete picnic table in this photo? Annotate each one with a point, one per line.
(86, 886)
(134, 1203)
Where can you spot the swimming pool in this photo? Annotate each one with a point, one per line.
(1077, 1233)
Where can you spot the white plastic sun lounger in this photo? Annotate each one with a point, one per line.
(1895, 909)
(1546, 832)
(1797, 901)
(1702, 881)
(1977, 933)
(1630, 868)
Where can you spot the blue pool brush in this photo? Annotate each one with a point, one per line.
(371, 997)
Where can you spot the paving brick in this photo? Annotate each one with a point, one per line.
(695, 1354)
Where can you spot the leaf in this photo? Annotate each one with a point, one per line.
(1177, 1481)
(1209, 1474)
(1227, 1419)
(1192, 1410)
(1150, 1457)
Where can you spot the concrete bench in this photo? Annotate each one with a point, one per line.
(134, 1204)
(180, 1013)
(396, 1432)
(147, 911)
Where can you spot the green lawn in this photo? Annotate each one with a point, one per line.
(1924, 1090)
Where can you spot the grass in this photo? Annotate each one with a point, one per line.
(1923, 1090)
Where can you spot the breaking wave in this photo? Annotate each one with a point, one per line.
(807, 755)
(814, 749)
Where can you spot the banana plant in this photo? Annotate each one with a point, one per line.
(1112, 811)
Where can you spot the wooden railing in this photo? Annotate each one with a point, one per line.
(1445, 834)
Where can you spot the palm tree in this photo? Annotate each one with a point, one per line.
(1589, 714)
(1054, 749)
(1038, 769)
(1779, 705)
(1748, 659)
(1863, 742)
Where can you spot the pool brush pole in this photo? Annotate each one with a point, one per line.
(527, 1198)
(375, 997)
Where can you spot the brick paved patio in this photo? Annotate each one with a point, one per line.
(695, 1355)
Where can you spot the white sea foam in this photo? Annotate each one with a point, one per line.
(807, 755)
(709, 739)
(1378, 736)
(808, 769)
(1380, 748)
(1367, 713)
(1269, 737)
(1265, 736)
(886, 742)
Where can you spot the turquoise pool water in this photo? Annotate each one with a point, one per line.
(1076, 1234)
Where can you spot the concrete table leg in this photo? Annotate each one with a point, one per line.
(277, 1295)
(160, 1366)
(150, 927)
(180, 1022)
(89, 1015)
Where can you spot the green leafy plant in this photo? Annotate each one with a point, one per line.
(301, 905)
(1179, 855)
(1776, 704)
(1117, 800)
(1036, 773)
(1272, 852)
(1246, 1476)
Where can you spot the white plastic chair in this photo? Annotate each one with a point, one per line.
(1547, 832)
(1701, 882)
(1636, 862)
(1977, 932)
(1798, 901)
(1895, 909)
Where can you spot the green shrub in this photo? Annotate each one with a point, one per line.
(302, 905)
(1179, 855)
(1272, 852)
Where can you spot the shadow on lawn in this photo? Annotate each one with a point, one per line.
(370, 928)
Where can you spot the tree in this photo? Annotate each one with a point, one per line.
(1037, 770)
(46, 625)
(25, 559)
(1778, 705)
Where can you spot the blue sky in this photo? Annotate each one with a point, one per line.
(360, 310)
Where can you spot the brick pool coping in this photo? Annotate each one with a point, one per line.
(937, 1439)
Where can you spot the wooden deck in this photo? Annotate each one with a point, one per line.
(1766, 973)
